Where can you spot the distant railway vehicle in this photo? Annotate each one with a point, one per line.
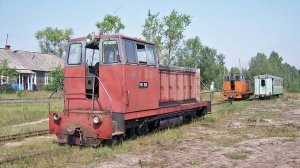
(114, 87)
(268, 86)
(235, 87)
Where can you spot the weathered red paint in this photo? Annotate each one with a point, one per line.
(72, 120)
(141, 98)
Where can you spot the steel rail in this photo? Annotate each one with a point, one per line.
(6, 138)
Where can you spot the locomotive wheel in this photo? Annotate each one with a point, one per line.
(143, 130)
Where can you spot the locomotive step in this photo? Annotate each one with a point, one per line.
(118, 133)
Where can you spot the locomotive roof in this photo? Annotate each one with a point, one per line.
(112, 36)
(266, 76)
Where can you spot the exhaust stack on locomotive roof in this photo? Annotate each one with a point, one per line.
(114, 86)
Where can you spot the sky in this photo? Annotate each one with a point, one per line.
(237, 28)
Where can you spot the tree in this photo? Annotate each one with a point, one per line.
(57, 75)
(53, 40)
(259, 65)
(153, 30)
(221, 70)
(175, 25)
(190, 54)
(6, 71)
(276, 64)
(234, 70)
(193, 54)
(166, 33)
(208, 66)
(110, 24)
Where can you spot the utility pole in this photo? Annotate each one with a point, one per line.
(6, 39)
(240, 65)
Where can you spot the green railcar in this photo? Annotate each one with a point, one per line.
(268, 86)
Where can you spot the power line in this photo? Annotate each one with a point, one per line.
(118, 8)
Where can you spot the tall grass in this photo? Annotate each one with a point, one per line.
(28, 95)
(16, 113)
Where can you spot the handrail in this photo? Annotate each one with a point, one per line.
(55, 90)
(106, 92)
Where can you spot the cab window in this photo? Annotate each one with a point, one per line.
(110, 52)
(130, 51)
(227, 78)
(74, 57)
(91, 56)
(150, 55)
(141, 53)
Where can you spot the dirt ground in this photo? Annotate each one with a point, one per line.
(265, 134)
(258, 133)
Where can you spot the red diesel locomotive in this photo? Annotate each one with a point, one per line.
(114, 86)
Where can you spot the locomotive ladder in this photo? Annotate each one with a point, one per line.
(93, 94)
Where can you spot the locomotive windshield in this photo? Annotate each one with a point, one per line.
(110, 52)
(75, 54)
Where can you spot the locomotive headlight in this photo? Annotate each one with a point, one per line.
(96, 120)
(56, 117)
(90, 38)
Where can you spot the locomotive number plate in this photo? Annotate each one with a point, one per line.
(143, 85)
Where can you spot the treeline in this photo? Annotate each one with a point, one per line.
(167, 32)
(274, 65)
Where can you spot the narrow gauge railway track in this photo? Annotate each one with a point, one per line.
(45, 132)
(34, 100)
(23, 156)
(23, 135)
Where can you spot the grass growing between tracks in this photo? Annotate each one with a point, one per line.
(54, 155)
(24, 128)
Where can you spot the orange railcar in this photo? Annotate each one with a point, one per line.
(235, 87)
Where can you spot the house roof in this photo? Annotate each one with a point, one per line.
(24, 60)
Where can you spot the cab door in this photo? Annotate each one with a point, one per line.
(74, 87)
(141, 77)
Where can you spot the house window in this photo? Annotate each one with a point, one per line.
(33, 78)
(46, 78)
